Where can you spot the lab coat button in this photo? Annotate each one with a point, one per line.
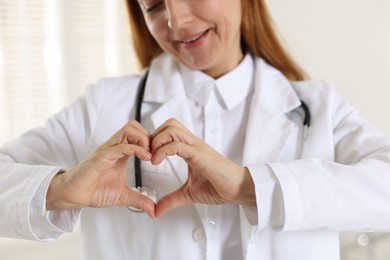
(212, 222)
(198, 235)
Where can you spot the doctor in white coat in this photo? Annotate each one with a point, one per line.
(221, 142)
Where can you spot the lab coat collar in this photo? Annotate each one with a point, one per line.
(273, 92)
(197, 84)
(232, 87)
(268, 127)
(164, 81)
(165, 86)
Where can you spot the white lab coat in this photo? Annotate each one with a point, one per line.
(340, 184)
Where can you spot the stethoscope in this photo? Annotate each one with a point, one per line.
(150, 193)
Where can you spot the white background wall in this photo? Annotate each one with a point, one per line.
(344, 41)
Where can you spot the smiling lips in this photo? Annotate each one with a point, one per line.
(194, 39)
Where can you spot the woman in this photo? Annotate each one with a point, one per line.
(221, 142)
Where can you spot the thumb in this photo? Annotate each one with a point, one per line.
(141, 202)
(173, 200)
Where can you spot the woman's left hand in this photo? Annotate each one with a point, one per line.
(212, 178)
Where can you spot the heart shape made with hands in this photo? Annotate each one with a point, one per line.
(100, 180)
(211, 176)
(167, 140)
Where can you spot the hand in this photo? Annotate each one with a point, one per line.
(100, 180)
(212, 178)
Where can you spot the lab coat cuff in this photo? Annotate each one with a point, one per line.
(49, 225)
(290, 197)
(269, 211)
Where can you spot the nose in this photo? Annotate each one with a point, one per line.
(179, 13)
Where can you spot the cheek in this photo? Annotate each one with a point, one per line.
(158, 29)
(233, 25)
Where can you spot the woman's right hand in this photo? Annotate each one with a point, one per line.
(100, 180)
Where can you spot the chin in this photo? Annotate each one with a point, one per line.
(201, 64)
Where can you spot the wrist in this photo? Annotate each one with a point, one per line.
(53, 197)
(246, 189)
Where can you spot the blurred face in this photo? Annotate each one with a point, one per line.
(201, 34)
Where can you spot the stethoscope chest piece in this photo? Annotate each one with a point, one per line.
(151, 194)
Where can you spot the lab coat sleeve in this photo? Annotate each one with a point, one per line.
(28, 164)
(269, 200)
(347, 192)
(48, 225)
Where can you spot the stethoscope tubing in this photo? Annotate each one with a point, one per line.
(140, 98)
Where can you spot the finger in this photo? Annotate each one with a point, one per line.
(173, 200)
(142, 133)
(171, 133)
(133, 132)
(169, 123)
(137, 125)
(124, 150)
(128, 136)
(175, 148)
(141, 202)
